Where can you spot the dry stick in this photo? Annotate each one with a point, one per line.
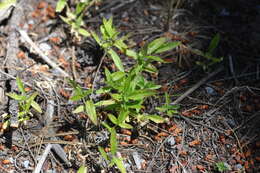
(40, 52)
(196, 86)
(43, 158)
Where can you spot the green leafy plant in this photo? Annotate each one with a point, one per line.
(25, 101)
(222, 166)
(74, 18)
(167, 108)
(209, 54)
(111, 157)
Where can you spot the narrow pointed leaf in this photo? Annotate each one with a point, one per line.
(103, 153)
(116, 59)
(91, 111)
(154, 45)
(113, 141)
(36, 106)
(167, 46)
(79, 109)
(20, 85)
(119, 163)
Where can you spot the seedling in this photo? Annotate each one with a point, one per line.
(25, 101)
(222, 166)
(167, 108)
(209, 54)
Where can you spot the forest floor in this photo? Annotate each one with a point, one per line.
(218, 123)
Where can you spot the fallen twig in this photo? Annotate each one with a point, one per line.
(43, 158)
(25, 36)
(196, 86)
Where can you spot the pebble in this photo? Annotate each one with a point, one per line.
(45, 47)
(26, 164)
(210, 91)
(171, 141)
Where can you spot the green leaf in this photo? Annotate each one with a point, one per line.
(105, 103)
(16, 96)
(113, 141)
(119, 163)
(155, 58)
(167, 46)
(36, 106)
(80, 7)
(141, 94)
(214, 43)
(108, 26)
(60, 5)
(131, 53)
(116, 59)
(82, 169)
(154, 45)
(117, 75)
(83, 32)
(78, 109)
(20, 85)
(113, 119)
(107, 126)
(103, 153)
(122, 116)
(125, 126)
(155, 118)
(91, 111)
(97, 39)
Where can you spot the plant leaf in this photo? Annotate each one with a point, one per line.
(103, 153)
(60, 5)
(84, 32)
(125, 126)
(167, 46)
(155, 58)
(20, 85)
(16, 96)
(116, 59)
(122, 116)
(113, 119)
(119, 163)
(214, 43)
(155, 118)
(36, 106)
(91, 111)
(113, 141)
(105, 103)
(140, 94)
(78, 109)
(155, 44)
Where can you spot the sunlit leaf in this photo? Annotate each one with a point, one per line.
(103, 153)
(116, 59)
(36, 106)
(119, 163)
(155, 44)
(155, 118)
(83, 32)
(16, 96)
(20, 85)
(140, 94)
(60, 5)
(91, 111)
(78, 109)
(113, 119)
(113, 141)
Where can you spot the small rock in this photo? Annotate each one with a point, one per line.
(210, 91)
(26, 164)
(45, 47)
(238, 167)
(138, 160)
(171, 141)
